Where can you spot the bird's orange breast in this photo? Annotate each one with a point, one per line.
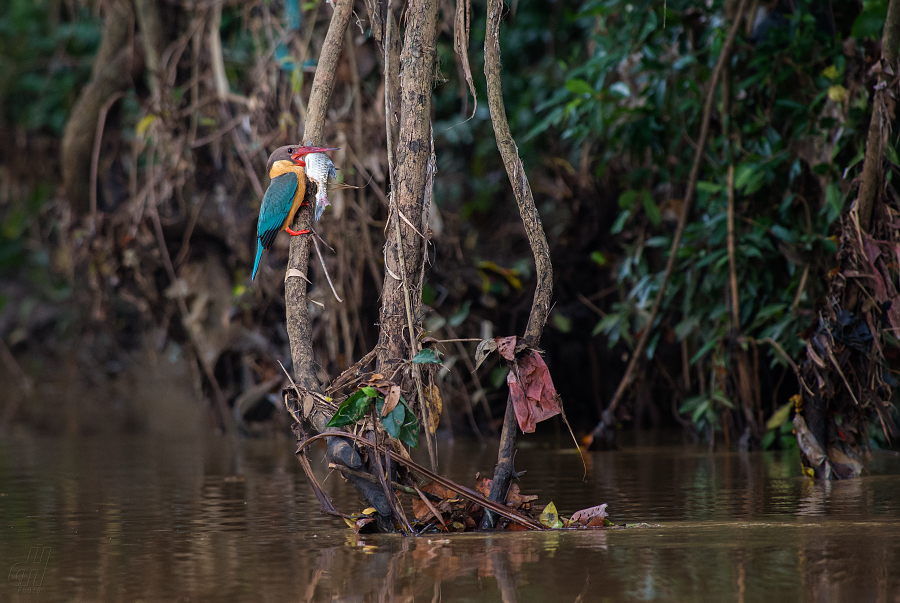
(282, 167)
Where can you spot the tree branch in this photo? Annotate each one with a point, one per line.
(298, 325)
(540, 305)
(882, 114)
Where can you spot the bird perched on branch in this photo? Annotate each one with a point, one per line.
(287, 171)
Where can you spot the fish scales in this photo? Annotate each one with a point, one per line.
(319, 168)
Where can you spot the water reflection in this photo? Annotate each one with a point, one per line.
(162, 520)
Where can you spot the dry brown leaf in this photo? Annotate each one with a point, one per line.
(485, 347)
(435, 405)
(594, 517)
(391, 400)
(483, 485)
(532, 392)
(516, 500)
(422, 511)
(437, 514)
(362, 522)
(507, 347)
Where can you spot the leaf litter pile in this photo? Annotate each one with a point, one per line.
(382, 422)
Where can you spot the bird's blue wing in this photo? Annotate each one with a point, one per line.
(276, 205)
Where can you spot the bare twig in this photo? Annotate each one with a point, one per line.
(325, 270)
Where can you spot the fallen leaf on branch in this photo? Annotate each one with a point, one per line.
(483, 485)
(533, 393)
(361, 523)
(595, 517)
(485, 347)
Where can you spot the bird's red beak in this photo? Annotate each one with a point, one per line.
(302, 151)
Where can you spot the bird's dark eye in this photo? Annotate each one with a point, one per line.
(291, 151)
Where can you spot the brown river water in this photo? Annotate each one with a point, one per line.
(216, 519)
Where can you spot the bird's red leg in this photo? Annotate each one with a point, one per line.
(295, 233)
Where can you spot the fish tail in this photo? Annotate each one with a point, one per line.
(259, 251)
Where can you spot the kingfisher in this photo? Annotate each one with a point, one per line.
(287, 172)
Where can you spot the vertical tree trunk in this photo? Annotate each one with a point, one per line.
(340, 451)
(413, 153)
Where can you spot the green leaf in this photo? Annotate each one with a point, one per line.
(891, 154)
(720, 397)
(394, 419)
(579, 86)
(550, 517)
(780, 416)
(783, 233)
(710, 344)
(409, 431)
(351, 410)
(426, 356)
(708, 187)
(562, 323)
(690, 404)
(834, 201)
(401, 423)
(460, 315)
(651, 208)
(627, 199)
(700, 410)
(620, 222)
(369, 391)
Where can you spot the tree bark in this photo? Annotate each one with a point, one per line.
(882, 113)
(114, 59)
(298, 326)
(150, 25)
(540, 305)
(340, 451)
(413, 153)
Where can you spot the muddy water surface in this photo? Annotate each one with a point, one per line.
(140, 518)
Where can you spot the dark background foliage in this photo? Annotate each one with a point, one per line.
(604, 99)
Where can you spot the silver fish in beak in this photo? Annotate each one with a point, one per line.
(319, 169)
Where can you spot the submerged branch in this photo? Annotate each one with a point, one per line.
(498, 508)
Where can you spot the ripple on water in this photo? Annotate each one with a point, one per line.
(130, 518)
